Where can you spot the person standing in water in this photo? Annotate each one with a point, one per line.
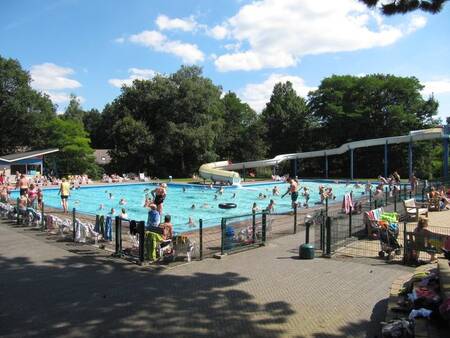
(293, 190)
(64, 191)
(159, 194)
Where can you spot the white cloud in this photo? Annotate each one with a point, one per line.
(135, 74)
(218, 32)
(279, 33)
(258, 94)
(417, 22)
(189, 53)
(53, 80)
(120, 40)
(49, 76)
(436, 87)
(165, 23)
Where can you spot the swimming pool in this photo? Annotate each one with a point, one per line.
(181, 198)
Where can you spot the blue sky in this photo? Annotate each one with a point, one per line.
(92, 47)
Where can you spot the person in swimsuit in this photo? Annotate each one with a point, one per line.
(22, 184)
(293, 190)
(64, 191)
(159, 194)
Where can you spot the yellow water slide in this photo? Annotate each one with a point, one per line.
(211, 171)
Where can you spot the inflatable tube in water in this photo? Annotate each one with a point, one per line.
(227, 205)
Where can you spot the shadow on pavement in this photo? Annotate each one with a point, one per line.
(95, 296)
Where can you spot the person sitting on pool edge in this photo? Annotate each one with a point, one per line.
(167, 234)
(154, 218)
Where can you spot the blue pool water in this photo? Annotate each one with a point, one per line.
(178, 203)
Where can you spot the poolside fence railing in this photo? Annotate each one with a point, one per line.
(334, 232)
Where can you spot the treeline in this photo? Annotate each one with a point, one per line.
(172, 124)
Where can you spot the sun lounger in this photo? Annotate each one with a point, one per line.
(414, 209)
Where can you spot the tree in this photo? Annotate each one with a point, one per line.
(132, 150)
(405, 6)
(353, 108)
(92, 121)
(241, 138)
(75, 154)
(287, 119)
(74, 110)
(23, 111)
(183, 112)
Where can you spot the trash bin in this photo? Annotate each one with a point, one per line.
(306, 251)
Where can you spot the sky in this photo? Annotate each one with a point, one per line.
(93, 47)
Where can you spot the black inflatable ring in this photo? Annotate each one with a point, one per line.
(227, 205)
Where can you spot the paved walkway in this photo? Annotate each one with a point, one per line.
(50, 289)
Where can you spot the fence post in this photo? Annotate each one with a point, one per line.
(295, 218)
(395, 204)
(328, 237)
(141, 229)
(326, 206)
(350, 222)
(423, 194)
(370, 199)
(253, 226)
(222, 241)
(405, 249)
(264, 223)
(322, 231)
(43, 217)
(74, 223)
(386, 195)
(200, 227)
(118, 231)
(18, 211)
(404, 191)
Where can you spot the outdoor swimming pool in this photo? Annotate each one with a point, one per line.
(179, 203)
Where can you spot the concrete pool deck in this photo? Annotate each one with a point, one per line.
(54, 289)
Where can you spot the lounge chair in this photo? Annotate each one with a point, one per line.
(414, 209)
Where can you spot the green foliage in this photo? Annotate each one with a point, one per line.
(380, 106)
(183, 113)
(241, 138)
(133, 142)
(74, 110)
(287, 120)
(405, 6)
(75, 155)
(23, 111)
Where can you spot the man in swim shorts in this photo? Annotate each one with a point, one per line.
(293, 190)
(22, 184)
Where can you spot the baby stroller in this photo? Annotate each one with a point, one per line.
(388, 235)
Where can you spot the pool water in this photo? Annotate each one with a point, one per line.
(181, 198)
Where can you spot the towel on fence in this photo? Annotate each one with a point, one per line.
(151, 242)
(347, 203)
(108, 229)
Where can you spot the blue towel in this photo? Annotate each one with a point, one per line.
(108, 228)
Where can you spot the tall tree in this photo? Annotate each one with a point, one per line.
(242, 135)
(182, 111)
(355, 108)
(75, 154)
(133, 142)
(23, 111)
(405, 6)
(92, 121)
(287, 119)
(74, 110)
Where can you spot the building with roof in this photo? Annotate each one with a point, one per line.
(28, 163)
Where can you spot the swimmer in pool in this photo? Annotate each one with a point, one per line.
(193, 206)
(191, 222)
